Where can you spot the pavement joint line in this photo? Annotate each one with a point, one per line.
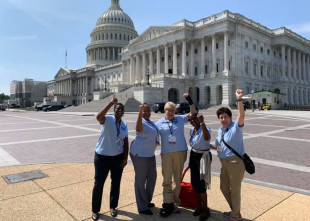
(287, 138)
(59, 204)
(271, 185)
(34, 128)
(274, 206)
(48, 139)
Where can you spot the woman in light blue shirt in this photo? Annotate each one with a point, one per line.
(142, 155)
(233, 168)
(110, 156)
(200, 163)
(173, 154)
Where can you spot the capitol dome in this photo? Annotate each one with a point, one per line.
(114, 29)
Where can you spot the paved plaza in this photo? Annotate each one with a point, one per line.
(62, 145)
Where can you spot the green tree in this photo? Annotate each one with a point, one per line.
(3, 97)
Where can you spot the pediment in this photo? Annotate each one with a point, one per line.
(154, 32)
(61, 73)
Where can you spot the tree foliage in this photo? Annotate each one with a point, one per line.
(3, 97)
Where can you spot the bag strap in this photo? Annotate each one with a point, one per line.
(231, 149)
(187, 168)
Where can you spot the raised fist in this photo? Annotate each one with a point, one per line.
(201, 119)
(114, 100)
(239, 93)
(185, 95)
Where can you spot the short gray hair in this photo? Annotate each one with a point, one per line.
(169, 105)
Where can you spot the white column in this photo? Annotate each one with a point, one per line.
(304, 67)
(151, 63)
(71, 89)
(143, 67)
(226, 52)
(166, 59)
(137, 69)
(158, 60)
(123, 72)
(283, 62)
(131, 70)
(202, 65)
(108, 53)
(86, 85)
(299, 65)
(294, 65)
(289, 64)
(308, 69)
(175, 62)
(213, 73)
(192, 74)
(184, 58)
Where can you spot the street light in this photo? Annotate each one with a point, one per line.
(148, 76)
(253, 101)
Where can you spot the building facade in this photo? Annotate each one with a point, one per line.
(209, 58)
(25, 93)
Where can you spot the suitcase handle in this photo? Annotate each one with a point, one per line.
(187, 168)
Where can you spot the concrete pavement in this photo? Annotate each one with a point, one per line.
(66, 195)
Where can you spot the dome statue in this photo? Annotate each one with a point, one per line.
(114, 29)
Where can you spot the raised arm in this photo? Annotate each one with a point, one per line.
(101, 114)
(139, 126)
(206, 134)
(241, 114)
(191, 103)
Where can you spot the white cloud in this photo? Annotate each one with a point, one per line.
(300, 28)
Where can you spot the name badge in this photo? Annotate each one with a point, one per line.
(219, 148)
(172, 139)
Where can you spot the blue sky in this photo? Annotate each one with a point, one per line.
(34, 34)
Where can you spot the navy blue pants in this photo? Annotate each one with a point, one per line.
(104, 164)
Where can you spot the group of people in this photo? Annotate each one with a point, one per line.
(112, 153)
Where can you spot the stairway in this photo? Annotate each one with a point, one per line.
(125, 97)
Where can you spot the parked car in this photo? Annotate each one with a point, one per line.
(183, 108)
(2, 108)
(53, 108)
(39, 108)
(158, 107)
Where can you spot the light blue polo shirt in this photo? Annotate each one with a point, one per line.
(107, 144)
(197, 141)
(174, 128)
(233, 135)
(145, 142)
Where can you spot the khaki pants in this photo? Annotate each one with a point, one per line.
(232, 173)
(172, 166)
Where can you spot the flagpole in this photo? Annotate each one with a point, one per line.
(66, 59)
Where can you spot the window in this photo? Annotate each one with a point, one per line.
(196, 51)
(162, 59)
(268, 71)
(254, 47)
(186, 53)
(246, 44)
(111, 36)
(268, 51)
(217, 67)
(206, 48)
(228, 43)
(229, 65)
(116, 36)
(254, 68)
(246, 67)
(261, 49)
(262, 70)
(206, 69)
(217, 45)
(274, 54)
(196, 71)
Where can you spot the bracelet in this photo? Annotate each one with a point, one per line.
(240, 99)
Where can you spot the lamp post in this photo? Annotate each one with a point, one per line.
(105, 83)
(253, 101)
(148, 76)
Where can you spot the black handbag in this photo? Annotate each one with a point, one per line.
(248, 163)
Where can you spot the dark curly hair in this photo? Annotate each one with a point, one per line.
(223, 110)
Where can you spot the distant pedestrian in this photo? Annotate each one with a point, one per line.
(110, 156)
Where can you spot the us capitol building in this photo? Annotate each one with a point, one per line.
(209, 58)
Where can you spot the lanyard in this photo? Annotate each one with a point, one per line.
(118, 127)
(170, 127)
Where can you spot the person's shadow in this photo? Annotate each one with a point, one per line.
(184, 214)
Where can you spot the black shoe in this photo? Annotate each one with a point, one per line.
(146, 212)
(150, 205)
(95, 216)
(197, 212)
(204, 215)
(113, 212)
(166, 210)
